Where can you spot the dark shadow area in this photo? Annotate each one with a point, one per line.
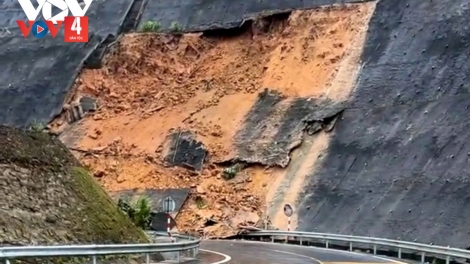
(261, 24)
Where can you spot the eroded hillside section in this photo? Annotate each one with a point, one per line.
(156, 85)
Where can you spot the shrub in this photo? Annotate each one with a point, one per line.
(176, 27)
(139, 210)
(200, 203)
(231, 172)
(37, 126)
(151, 26)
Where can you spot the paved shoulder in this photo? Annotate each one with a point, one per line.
(269, 253)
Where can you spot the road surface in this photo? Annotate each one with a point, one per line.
(247, 252)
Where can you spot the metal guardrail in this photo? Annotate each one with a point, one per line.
(8, 254)
(174, 235)
(372, 243)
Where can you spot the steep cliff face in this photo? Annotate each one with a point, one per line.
(397, 166)
(47, 198)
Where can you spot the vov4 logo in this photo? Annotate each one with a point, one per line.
(75, 26)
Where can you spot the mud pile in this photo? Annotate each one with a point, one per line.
(248, 98)
(47, 198)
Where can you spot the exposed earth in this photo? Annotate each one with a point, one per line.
(152, 85)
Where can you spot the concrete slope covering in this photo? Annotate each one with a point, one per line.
(37, 74)
(36, 77)
(397, 165)
(47, 198)
(194, 15)
(245, 100)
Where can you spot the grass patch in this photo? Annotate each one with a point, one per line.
(151, 26)
(43, 179)
(138, 209)
(200, 202)
(230, 172)
(37, 126)
(33, 149)
(176, 27)
(104, 221)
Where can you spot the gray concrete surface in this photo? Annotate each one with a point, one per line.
(37, 73)
(203, 15)
(241, 252)
(397, 166)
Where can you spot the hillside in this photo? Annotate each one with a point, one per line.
(356, 114)
(47, 198)
(236, 94)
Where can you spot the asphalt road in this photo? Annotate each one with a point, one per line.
(246, 252)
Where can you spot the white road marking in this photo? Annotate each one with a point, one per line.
(328, 249)
(360, 254)
(226, 259)
(298, 255)
(391, 260)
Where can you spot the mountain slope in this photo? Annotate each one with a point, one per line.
(48, 198)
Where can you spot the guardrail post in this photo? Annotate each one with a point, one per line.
(423, 257)
(272, 239)
(350, 246)
(7, 261)
(375, 249)
(447, 260)
(94, 259)
(178, 257)
(194, 250)
(327, 244)
(147, 258)
(399, 253)
(301, 241)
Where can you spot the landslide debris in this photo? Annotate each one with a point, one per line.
(47, 198)
(152, 85)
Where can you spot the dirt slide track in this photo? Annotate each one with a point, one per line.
(273, 98)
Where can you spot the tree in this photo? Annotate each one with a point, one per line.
(139, 210)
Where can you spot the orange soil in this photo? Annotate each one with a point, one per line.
(334, 55)
(153, 84)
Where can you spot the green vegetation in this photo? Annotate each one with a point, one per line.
(200, 202)
(139, 210)
(105, 219)
(230, 172)
(176, 27)
(37, 126)
(60, 202)
(151, 26)
(33, 149)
